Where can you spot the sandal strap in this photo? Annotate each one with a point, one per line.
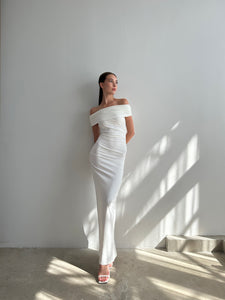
(103, 275)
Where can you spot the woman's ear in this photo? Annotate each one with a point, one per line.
(101, 83)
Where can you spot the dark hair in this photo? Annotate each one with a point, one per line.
(102, 78)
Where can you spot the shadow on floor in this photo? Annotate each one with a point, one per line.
(44, 274)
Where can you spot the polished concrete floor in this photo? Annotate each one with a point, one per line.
(53, 274)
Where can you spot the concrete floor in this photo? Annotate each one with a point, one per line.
(53, 274)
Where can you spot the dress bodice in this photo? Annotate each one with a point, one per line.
(110, 112)
(112, 125)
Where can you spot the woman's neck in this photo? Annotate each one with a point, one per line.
(107, 100)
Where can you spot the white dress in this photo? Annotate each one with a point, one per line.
(107, 157)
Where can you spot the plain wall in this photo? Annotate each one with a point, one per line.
(169, 59)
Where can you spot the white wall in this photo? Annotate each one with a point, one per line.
(169, 58)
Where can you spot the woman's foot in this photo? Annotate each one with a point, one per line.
(103, 274)
(111, 265)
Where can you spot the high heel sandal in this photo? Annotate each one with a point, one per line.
(103, 281)
(107, 277)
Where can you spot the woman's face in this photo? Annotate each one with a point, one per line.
(109, 86)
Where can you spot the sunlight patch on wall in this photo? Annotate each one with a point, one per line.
(151, 160)
(185, 161)
(175, 126)
(183, 218)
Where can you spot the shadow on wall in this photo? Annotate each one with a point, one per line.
(163, 190)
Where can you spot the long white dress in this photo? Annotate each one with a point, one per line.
(107, 157)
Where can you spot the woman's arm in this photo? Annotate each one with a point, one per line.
(95, 128)
(96, 132)
(130, 128)
(129, 124)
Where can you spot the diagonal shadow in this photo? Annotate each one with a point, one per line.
(152, 218)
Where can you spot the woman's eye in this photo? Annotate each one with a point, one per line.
(110, 80)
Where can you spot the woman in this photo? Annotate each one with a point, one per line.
(113, 127)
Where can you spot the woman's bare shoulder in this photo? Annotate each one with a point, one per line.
(93, 110)
(123, 101)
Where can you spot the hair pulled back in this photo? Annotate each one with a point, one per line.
(102, 78)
